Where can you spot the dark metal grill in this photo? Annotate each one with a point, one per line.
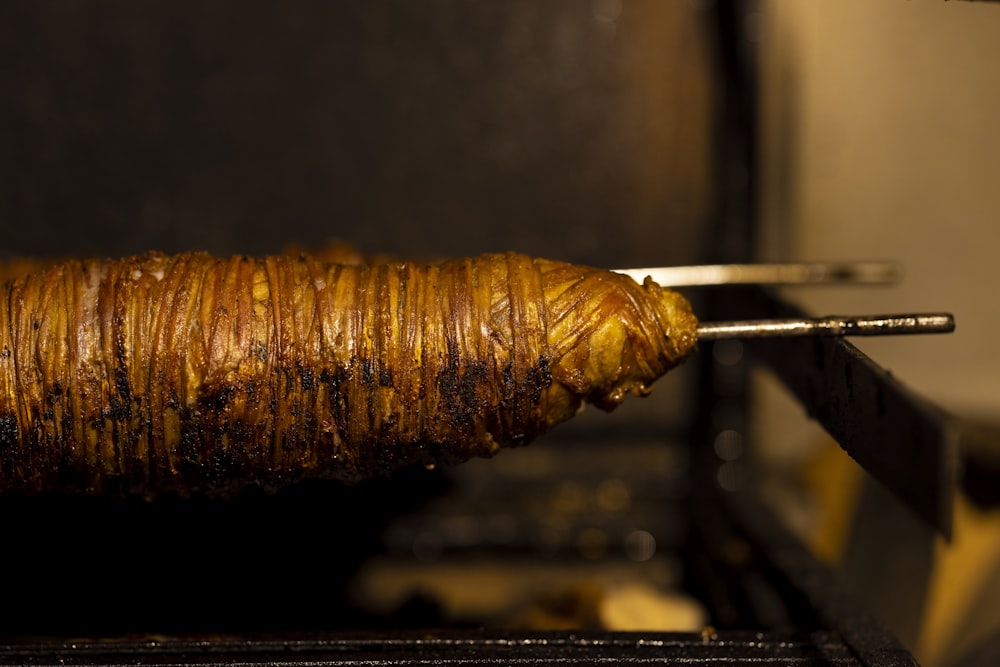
(814, 649)
(905, 442)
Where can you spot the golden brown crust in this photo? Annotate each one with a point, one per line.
(189, 372)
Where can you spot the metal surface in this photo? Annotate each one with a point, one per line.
(823, 590)
(872, 325)
(905, 442)
(453, 648)
(812, 273)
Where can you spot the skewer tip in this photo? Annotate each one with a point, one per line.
(874, 325)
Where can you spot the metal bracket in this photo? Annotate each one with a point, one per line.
(905, 442)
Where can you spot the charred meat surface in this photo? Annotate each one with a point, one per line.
(192, 372)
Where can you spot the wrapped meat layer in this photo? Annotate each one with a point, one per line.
(192, 372)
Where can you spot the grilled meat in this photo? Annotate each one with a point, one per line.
(191, 372)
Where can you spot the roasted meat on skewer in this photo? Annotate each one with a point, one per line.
(191, 372)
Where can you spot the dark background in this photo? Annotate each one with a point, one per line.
(574, 129)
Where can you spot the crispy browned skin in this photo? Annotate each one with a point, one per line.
(191, 372)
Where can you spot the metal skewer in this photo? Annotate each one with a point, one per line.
(800, 273)
(807, 273)
(873, 325)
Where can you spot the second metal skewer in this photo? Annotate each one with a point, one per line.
(873, 325)
(805, 273)
(799, 273)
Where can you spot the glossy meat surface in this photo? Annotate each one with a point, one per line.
(190, 372)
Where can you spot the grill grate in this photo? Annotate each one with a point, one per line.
(454, 648)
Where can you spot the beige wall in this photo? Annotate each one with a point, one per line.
(881, 139)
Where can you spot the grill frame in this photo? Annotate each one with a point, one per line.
(404, 649)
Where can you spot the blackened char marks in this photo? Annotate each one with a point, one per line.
(199, 374)
(339, 402)
(457, 386)
(522, 400)
(9, 437)
(306, 378)
(539, 378)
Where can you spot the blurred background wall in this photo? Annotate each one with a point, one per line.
(879, 140)
(441, 127)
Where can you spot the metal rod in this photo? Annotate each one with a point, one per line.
(873, 325)
(809, 273)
